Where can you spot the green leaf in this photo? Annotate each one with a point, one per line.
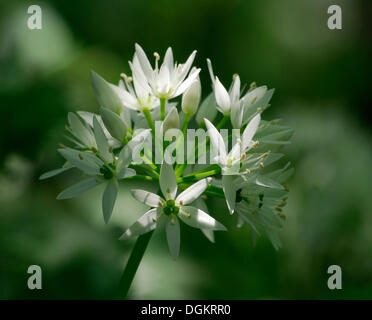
(78, 188)
(109, 198)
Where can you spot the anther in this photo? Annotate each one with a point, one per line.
(264, 155)
(239, 141)
(80, 156)
(247, 171)
(181, 203)
(252, 86)
(61, 145)
(154, 219)
(204, 197)
(157, 56)
(255, 144)
(261, 165)
(243, 156)
(234, 76)
(160, 203)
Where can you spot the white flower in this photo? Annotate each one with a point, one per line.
(138, 94)
(230, 102)
(170, 208)
(230, 162)
(102, 167)
(168, 81)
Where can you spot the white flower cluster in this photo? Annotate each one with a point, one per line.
(103, 146)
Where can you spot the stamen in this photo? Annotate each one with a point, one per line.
(157, 56)
(154, 219)
(234, 76)
(239, 141)
(247, 171)
(81, 156)
(61, 145)
(261, 165)
(252, 86)
(181, 203)
(160, 203)
(255, 144)
(203, 196)
(264, 155)
(243, 156)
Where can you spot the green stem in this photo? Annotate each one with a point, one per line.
(133, 263)
(198, 175)
(162, 109)
(146, 113)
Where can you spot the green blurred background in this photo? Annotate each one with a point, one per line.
(322, 81)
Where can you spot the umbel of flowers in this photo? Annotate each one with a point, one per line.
(238, 159)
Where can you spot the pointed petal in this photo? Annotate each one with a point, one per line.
(172, 229)
(250, 131)
(193, 192)
(210, 69)
(209, 234)
(168, 181)
(80, 131)
(109, 198)
(216, 139)
(78, 188)
(222, 97)
(146, 197)
(126, 173)
(187, 83)
(230, 192)
(88, 163)
(163, 83)
(168, 59)
(101, 140)
(144, 224)
(197, 218)
(55, 172)
(145, 63)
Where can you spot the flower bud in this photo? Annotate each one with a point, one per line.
(191, 98)
(107, 94)
(172, 120)
(114, 124)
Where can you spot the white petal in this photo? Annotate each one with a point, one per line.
(209, 234)
(193, 192)
(197, 218)
(168, 181)
(229, 191)
(145, 63)
(144, 224)
(168, 59)
(148, 198)
(187, 83)
(235, 90)
(101, 140)
(250, 131)
(222, 97)
(172, 229)
(81, 160)
(109, 198)
(186, 66)
(125, 173)
(78, 188)
(210, 69)
(216, 139)
(80, 131)
(163, 83)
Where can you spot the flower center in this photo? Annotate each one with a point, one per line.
(170, 207)
(107, 171)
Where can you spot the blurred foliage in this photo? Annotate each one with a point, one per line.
(321, 79)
